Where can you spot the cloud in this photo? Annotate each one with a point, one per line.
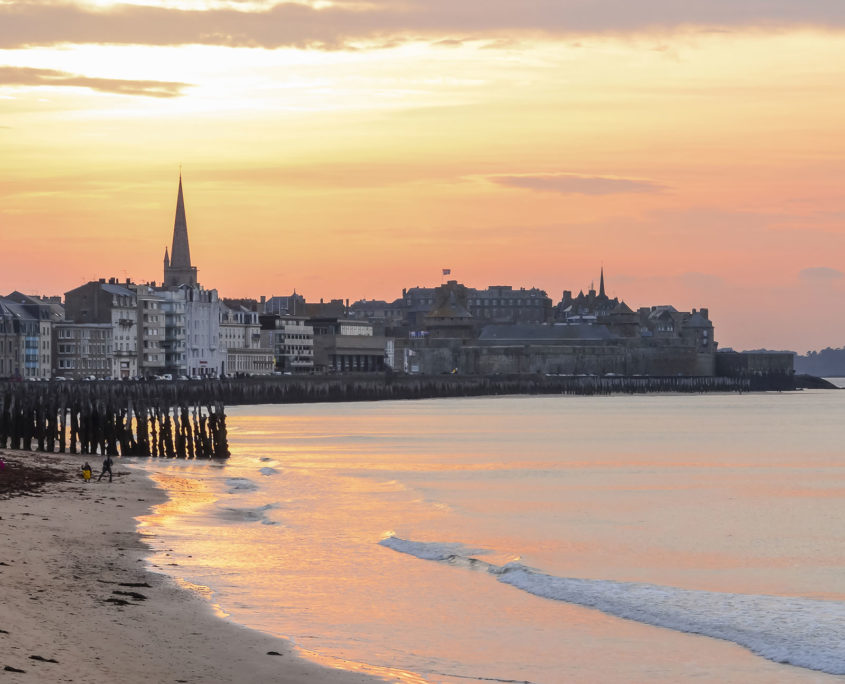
(569, 184)
(817, 273)
(293, 24)
(695, 280)
(25, 76)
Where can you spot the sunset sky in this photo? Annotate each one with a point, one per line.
(350, 148)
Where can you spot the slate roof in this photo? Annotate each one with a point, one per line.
(117, 289)
(697, 321)
(622, 308)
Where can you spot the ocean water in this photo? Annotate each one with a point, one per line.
(654, 538)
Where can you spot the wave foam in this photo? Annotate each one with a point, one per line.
(240, 484)
(247, 514)
(808, 633)
(438, 551)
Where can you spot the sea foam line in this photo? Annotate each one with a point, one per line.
(805, 632)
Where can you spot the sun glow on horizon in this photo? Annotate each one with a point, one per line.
(357, 172)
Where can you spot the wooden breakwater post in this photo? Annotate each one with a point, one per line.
(116, 418)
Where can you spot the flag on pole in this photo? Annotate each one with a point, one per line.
(447, 271)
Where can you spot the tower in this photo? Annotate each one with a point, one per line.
(601, 283)
(178, 269)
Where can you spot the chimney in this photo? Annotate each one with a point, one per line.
(706, 313)
(102, 281)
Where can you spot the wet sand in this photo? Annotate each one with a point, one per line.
(79, 605)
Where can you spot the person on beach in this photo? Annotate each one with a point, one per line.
(86, 472)
(106, 468)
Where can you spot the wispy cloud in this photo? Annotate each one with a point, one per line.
(570, 184)
(293, 24)
(817, 273)
(25, 76)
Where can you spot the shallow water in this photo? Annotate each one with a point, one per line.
(541, 539)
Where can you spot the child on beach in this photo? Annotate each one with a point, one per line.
(86, 472)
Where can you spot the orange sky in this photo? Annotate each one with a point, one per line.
(350, 149)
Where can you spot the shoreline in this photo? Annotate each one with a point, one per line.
(81, 604)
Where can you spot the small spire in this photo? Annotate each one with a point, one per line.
(166, 258)
(601, 285)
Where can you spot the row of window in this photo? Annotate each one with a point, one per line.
(87, 364)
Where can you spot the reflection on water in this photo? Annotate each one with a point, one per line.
(728, 494)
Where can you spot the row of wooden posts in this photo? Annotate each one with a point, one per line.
(130, 420)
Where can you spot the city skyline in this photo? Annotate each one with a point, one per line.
(350, 151)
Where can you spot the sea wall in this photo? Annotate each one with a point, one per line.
(371, 387)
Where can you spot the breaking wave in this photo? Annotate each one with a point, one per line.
(805, 632)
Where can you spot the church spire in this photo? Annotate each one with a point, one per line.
(180, 253)
(177, 265)
(601, 283)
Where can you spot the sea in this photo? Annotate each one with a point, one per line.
(541, 539)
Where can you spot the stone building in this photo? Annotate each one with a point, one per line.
(83, 350)
(174, 343)
(496, 304)
(449, 316)
(592, 307)
(240, 337)
(20, 340)
(37, 348)
(347, 345)
(152, 320)
(759, 364)
(292, 340)
(205, 356)
(115, 304)
(291, 305)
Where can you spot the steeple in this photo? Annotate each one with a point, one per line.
(180, 252)
(177, 267)
(601, 283)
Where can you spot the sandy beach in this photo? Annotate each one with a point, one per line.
(79, 605)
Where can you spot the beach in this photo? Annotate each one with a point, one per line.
(80, 605)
